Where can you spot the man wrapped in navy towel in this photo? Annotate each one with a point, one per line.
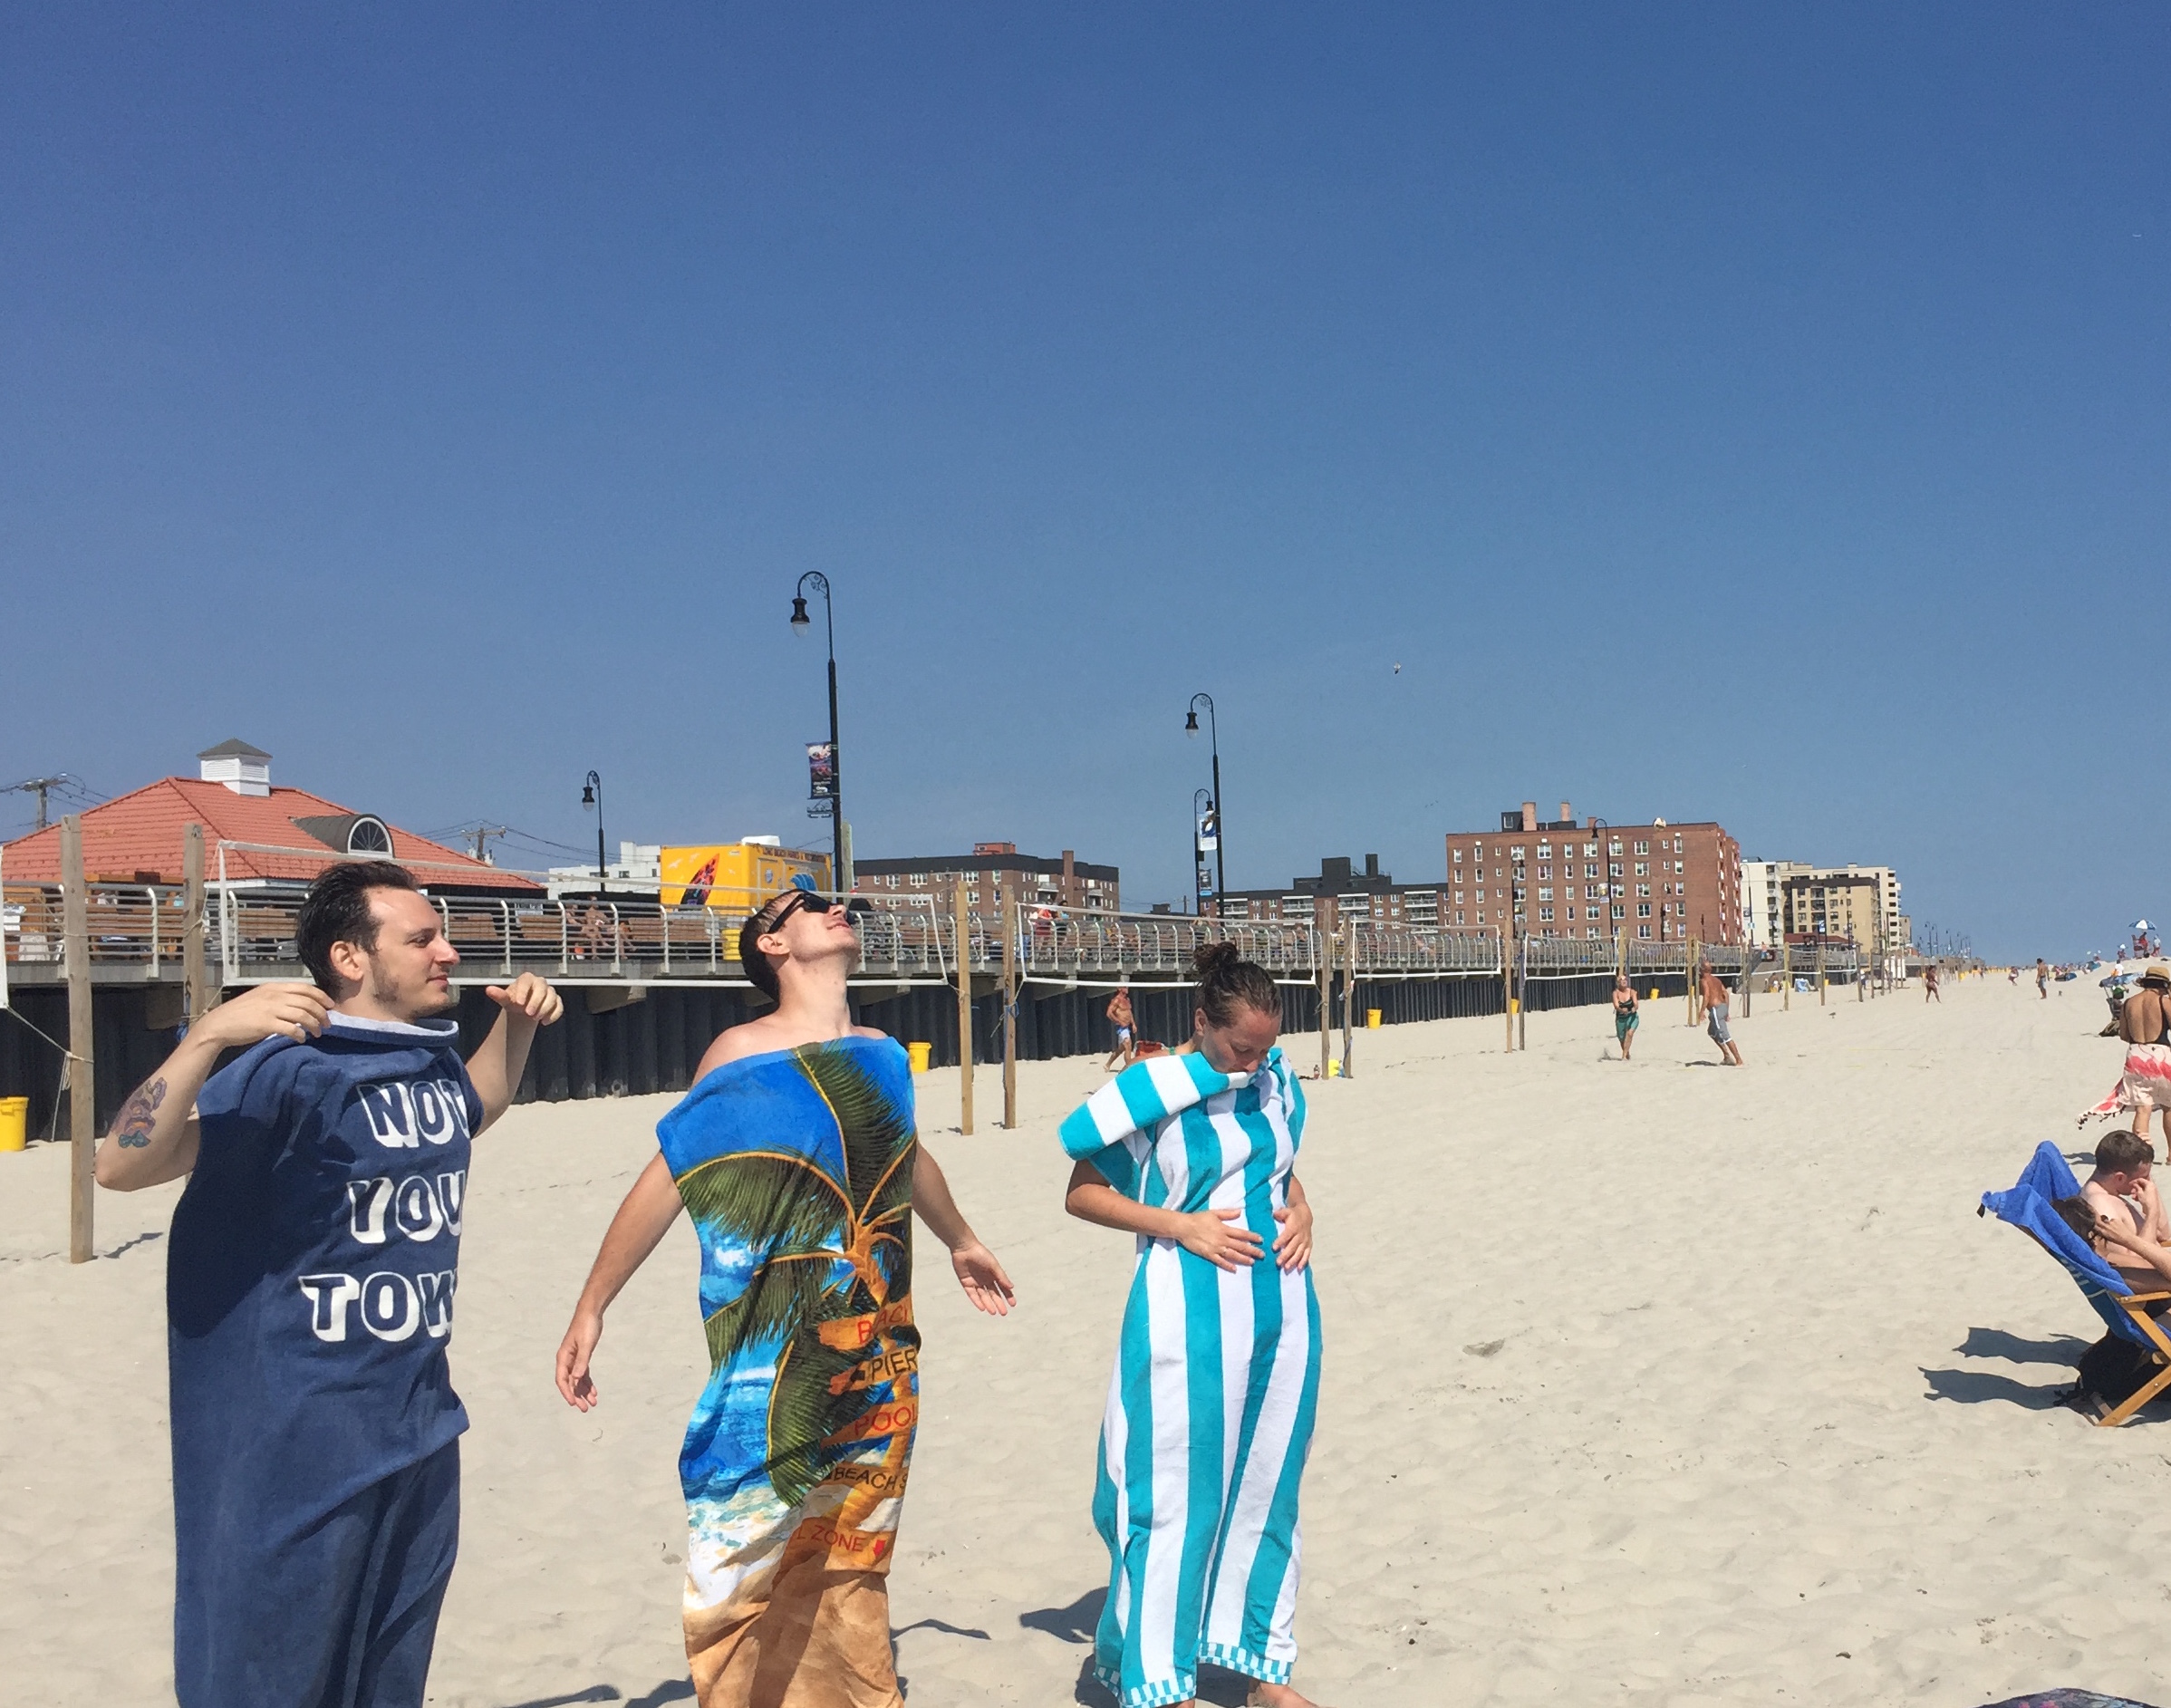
(310, 1281)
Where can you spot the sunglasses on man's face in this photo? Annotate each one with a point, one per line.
(856, 907)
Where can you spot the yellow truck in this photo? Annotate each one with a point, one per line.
(736, 877)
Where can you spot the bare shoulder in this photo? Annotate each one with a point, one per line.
(868, 1031)
(733, 1044)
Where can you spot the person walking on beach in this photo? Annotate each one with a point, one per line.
(1626, 1018)
(1930, 992)
(2042, 979)
(309, 1285)
(797, 1153)
(1120, 1016)
(1716, 997)
(1209, 1418)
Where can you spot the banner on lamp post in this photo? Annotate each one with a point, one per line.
(821, 771)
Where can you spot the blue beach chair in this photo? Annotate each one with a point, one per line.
(2028, 1207)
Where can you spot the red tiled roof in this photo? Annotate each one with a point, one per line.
(141, 833)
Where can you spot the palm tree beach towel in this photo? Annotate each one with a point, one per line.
(796, 1168)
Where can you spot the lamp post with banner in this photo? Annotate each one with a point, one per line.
(1213, 738)
(833, 795)
(1205, 839)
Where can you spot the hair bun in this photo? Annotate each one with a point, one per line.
(1212, 958)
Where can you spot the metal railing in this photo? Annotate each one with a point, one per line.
(630, 934)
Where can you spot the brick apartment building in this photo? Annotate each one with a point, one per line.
(1663, 882)
(1068, 882)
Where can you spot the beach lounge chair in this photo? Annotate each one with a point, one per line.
(2029, 1207)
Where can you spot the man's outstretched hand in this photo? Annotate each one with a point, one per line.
(982, 1278)
(529, 997)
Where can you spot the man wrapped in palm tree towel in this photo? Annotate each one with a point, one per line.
(796, 1155)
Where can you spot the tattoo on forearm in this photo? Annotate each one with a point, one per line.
(132, 1132)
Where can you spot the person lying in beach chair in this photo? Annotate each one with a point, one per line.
(2131, 1365)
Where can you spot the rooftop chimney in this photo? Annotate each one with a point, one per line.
(1372, 865)
(1530, 814)
(244, 769)
(1567, 814)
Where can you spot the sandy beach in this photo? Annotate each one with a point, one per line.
(1645, 1383)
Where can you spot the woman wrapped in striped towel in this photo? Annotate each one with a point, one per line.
(1216, 1370)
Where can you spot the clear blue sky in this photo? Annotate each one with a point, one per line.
(1755, 413)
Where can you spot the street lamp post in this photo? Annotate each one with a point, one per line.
(1221, 826)
(592, 796)
(801, 624)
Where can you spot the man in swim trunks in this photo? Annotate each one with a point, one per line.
(1625, 1018)
(309, 1285)
(2043, 978)
(2130, 1213)
(1716, 997)
(1119, 1014)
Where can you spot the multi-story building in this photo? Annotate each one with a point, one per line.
(1763, 898)
(1068, 882)
(1659, 882)
(1860, 903)
(1341, 891)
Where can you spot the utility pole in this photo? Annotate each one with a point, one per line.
(478, 841)
(38, 786)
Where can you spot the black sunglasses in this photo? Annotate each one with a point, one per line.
(858, 907)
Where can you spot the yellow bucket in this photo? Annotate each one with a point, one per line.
(922, 1055)
(1372, 1020)
(1333, 1067)
(1653, 993)
(15, 1123)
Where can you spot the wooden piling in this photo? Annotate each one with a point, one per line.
(83, 1081)
(1324, 942)
(199, 994)
(1009, 1002)
(1348, 989)
(963, 915)
(1820, 970)
(1507, 978)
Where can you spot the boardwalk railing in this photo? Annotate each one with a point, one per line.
(629, 934)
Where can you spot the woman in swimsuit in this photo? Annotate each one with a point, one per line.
(1625, 1016)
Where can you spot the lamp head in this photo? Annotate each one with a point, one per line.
(588, 795)
(1190, 722)
(801, 621)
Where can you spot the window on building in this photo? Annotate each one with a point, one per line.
(1643, 909)
(1545, 850)
(1545, 915)
(1643, 847)
(1619, 912)
(1480, 898)
(1613, 871)
(1458, 856)
(1643, 889)
(1676, 844)
(1642, 931)
(1613, 846)
(1545, 893)
(1590, 932)
(1457, 916)
(1679, 867)
(1590, 848)
(1643, 868)
(1545, 872)
(1515, 852)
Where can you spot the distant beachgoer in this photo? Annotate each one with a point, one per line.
(1209, 1418)
(1626, 1018)
(1930, 993)
(1119, 1014)
(797, 1155)
(2043, 978)
(310, 1279)
(1716, 999)
(2013, 976)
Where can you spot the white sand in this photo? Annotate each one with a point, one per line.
(1770, 1419)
